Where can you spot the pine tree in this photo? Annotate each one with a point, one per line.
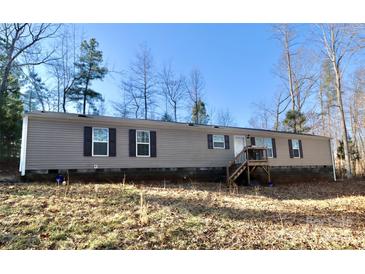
(36, 95)
(199, 113)
(167, 117)
(89, 67)
(10, 119)
(295, 121)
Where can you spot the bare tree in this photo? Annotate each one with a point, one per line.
(296, 69)
(172, 88)
(144, 79)
(63, 69)
(262, 116)
(281, 104)
(339, 42)
(305, 77)
(286, 35)
(122, 108)
(56, 72)
(326, 97)
(357, 118)
(225, 118)
(19, 40)
(194, 87)
(132, 99)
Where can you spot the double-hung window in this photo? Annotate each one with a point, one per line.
(296, 149)
(218, 141)
(143, 143)
(100, 138)
(265, 142)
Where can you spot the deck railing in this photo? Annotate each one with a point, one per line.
(250, 155)
(254, 153)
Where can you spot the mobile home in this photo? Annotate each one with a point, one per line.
(57, 142)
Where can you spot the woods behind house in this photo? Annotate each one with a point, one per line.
(53, 67)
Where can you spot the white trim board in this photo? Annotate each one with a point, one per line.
(23, 149)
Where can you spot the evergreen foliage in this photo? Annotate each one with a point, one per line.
(11, 109)
(89, 67)
(199, 113)
(167, 117)
(295, 121)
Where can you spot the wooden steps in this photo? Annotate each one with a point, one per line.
(247, 160)
(238, 171)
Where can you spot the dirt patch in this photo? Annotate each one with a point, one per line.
(9, 171)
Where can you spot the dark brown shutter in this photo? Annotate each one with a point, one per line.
(210, 141)
(253, 141)
(153, 143)
(87, 141)
(300, 148)
(290, 148)
(226, 141)
(112, 142)
(273, 147)
(132, 143)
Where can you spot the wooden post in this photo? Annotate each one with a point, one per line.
(227, 173)
(248, 174)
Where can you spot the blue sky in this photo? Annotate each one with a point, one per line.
(237, 60)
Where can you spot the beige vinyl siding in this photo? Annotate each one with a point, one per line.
(315, 152)
(59, 145)
(55, 143)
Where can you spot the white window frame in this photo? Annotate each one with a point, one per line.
(224, 143)
(292, 144)
(107, 143)
(270, 142)
(143, 143)
(269, 147)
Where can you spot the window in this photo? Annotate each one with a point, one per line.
(265, 142)
(218, 141)
(143, 143)
(296, 150)
(100, 141)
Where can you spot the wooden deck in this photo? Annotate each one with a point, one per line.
(248, 160)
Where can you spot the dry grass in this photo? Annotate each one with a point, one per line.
(194, 216)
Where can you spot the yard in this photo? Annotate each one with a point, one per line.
(190, 216)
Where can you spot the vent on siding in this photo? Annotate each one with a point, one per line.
(216, 126)
(190, 124)
(82, 115)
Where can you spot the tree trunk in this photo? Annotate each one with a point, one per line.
(322, 110)
(58, 94)
(9, 63)
(84, 104)
(277, 119)
(4, 79)
(64, 101)
(85, 94)
(343, 120)
(175, 112)
(145, 102)
(136, 113)
(145, 91)
(196, 113)
(30, 101)
(289, 68)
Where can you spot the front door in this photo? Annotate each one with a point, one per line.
(239, 144)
